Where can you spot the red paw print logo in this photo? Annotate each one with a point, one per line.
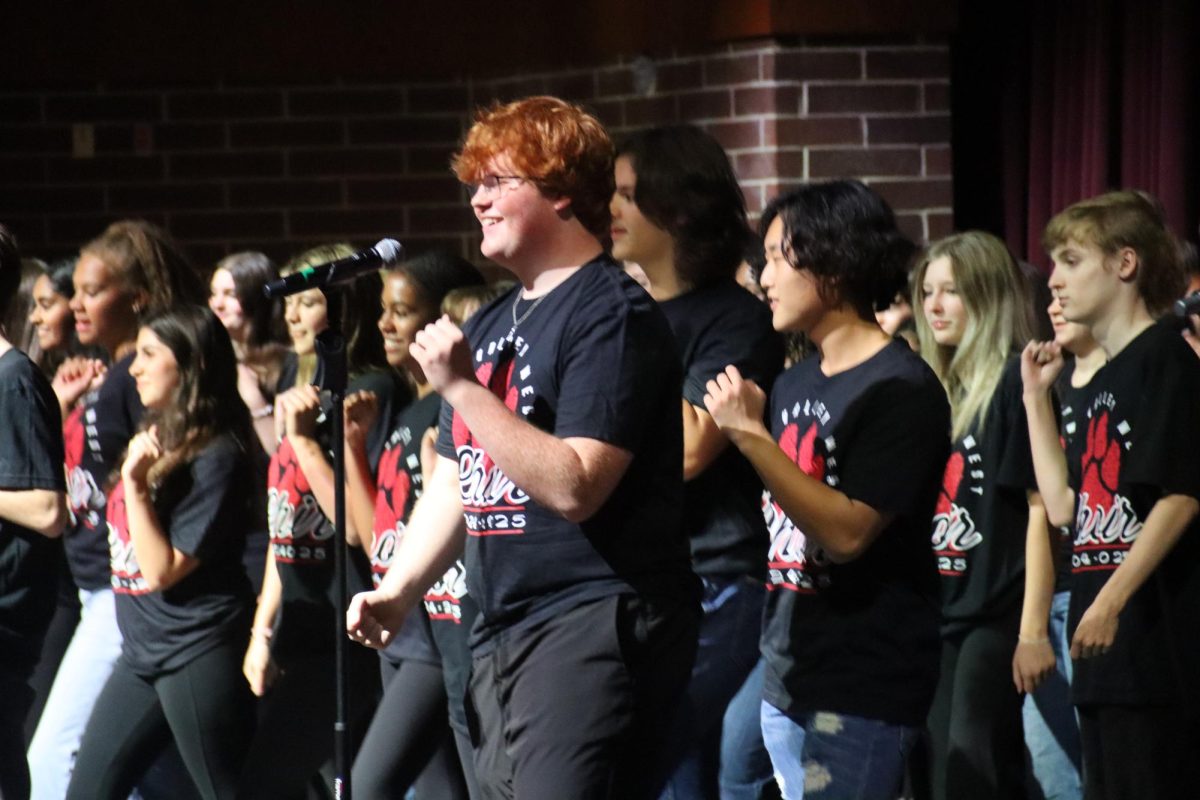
(500, 383)
(391, 502)
(802, 450)
(1100, 465)
(951, 478)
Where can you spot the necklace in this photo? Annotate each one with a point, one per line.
(516, 300)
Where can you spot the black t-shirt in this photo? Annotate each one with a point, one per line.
(596, 359)
(1141, 436)
(858, 638)
(31, 457)
(109, 418)
(982, 513)
(302, 536)
(1071, 403)
(715, 326)
(205, 507)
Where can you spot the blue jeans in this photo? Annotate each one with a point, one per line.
(829, 755)
(1051, 727)
(727, 651)
(746, 772)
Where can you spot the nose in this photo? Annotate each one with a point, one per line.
(291, 313)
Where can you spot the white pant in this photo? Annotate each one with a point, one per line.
(82, 674)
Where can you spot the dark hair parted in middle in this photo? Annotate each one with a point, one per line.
(435, 273)
(686, 186)
(251, 271)
(846, 236)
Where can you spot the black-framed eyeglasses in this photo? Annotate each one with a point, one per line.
(492, 185)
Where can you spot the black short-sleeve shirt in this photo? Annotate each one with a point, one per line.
(861, 637)
(594, 359)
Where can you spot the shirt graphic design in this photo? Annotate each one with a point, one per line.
(794, 563)
(443, 600)
(492, 504)
(954, 531)
(126, 574)
(1106, 524)
(300, 532)
(85, 498)
(391, 508)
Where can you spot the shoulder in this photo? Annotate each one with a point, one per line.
(16, 369)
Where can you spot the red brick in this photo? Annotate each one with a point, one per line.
(189, 136)
(98, 107)
(344, 102)
(860, 162)
(16, 169)
(576, 86)
(736, 69)
(447, 219)
(227, 165)
(228, 225)
(769, 164)
(417, 243)
(206, 253)
(77, 229)
(813, 65)
(938, 161)
(21, 109)
(754, 200)
(916, 194)
(507, 90)
(650, 110)
(286, 194)
(912, 226)
(937, 96)
(399, 191)
(809, 131)
(709, 104)
(430, 160)
(404, 130)
(614, 81)
(55, 199)
(285, 134)
(35, 139)
(427, 99)
(736, 135)
(106, 168)
(166, 197)
(112, 139)
(677, 76)
(766, 100)
(890, 64)
(861, 98)
(940, 224)
(908, 130)
(338, 224)
(610, 112)
(375, 161)
(225, 105)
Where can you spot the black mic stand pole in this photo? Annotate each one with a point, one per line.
(332, 377)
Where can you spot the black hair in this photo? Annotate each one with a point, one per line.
(435, 273)
(686, 186)
(62, 277)
(846, 236)
(251, 271)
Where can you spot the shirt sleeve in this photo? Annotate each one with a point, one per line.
(1166, 440)
(31, 444)
(747, 341)
(1012, 426)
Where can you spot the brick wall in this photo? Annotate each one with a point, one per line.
(228, 167)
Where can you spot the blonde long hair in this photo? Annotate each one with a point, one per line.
(996, 299)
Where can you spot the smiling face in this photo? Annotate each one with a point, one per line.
(634, 237)
(402, 317)
(223, 301)
(792, 293)
(306, 316)
(50, 316)
(515, 217)
(103, 307)
(942, 304)
(155, 370)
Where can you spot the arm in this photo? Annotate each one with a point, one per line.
(1033, 658)
(161, 564)
(1040, 365)
(1165, 523)
(258, 666)
(74, 378)
(261, 409)
(843, 527)
(702, 441)
(433, 539)
(360, 412)
(43, 511)
(572, 477)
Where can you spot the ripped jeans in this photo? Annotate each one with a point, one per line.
(824, 754)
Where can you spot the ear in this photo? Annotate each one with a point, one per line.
(1127, 262)
(562, 204)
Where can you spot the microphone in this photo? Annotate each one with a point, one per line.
(385, 253)
(1188, 305)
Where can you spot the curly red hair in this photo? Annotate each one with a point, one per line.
(556, 144)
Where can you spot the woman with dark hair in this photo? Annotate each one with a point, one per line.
(678, 212)
(429, 659)
(177, 521)
(289, 660)
(255, 325)
(851, 462)
(130, 271)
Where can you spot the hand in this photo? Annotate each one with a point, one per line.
(444, 355)
(144, 450)
(1041, 363)
(1032, 662)
(300, 408)
(360, 410)
(76, 377)
(735, 404)
(258, 666)
(1096, 632)
(372, 619)
(249, 388)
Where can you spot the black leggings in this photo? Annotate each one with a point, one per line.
(410, 741)
(205, 705)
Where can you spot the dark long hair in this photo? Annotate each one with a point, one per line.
(435, 273)
(251, 271)
(147, 259)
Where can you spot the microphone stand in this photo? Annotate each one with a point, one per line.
(332, 377)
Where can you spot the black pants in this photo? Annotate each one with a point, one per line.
(409, 742)
(975, 729)
(15, 699)
(1139, 753)
(205, 706)
(580, 705)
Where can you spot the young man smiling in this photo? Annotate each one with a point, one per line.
(561, 459)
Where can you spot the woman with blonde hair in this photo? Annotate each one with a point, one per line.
(988, 519)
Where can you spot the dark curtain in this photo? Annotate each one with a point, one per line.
(1057, 101)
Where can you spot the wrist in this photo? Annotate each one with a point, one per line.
(1023, 639)
(261, 634)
